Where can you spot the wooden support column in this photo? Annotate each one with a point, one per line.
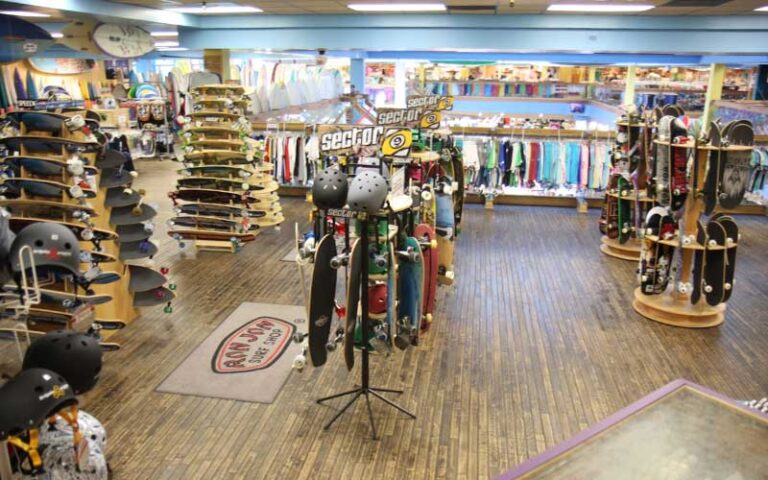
(217, 61)
(629, 87)
(714, 91)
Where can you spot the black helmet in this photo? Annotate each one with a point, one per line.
(330, 188)
(54, 247)
(30, 397)
(73, 355)
(367, 192)
(6, 240)
(678, 128)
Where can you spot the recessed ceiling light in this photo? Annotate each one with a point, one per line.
(169, 43)
(397, 7)
(597, 8)
(24, 13)
(215, 9)
(165, 34)
(172, 49)
(762, 9)
(57, 35)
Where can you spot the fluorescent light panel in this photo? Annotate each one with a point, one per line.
(597, 8)
(165, 34)
(169, 43)
(24, 13)
(397, 7)
(762, 9)
(57, 35)
(215, 9)
(172, 49)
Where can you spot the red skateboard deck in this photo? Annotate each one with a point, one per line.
(427, 238)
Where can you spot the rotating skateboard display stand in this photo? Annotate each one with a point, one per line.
(364, 389)
(672, 307)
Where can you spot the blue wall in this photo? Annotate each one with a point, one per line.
(591, 112)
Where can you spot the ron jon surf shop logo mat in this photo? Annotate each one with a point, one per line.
(248, 357)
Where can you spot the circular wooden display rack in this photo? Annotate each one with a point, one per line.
(678, 312)
(625, 251)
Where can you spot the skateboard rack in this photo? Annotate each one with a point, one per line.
(364, 389)
(673, 307)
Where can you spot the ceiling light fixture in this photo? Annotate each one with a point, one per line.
(165, 34)
(57, 35)
(215, 9)
(169, 43)
(24, 13)
(762, 9)
(172, 49)
(397, 7)
(597, 8)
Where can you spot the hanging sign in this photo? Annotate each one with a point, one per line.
(429, 102)
(390, 141)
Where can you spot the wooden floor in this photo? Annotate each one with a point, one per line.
(535, 341)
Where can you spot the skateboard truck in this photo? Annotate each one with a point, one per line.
(340, 261)
(409, 255)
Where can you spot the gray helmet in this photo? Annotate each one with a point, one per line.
(30, 397)
(54, 247)
(367, 192)
(73, 355)
(330, 188)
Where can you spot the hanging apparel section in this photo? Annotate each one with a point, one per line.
(535, 164)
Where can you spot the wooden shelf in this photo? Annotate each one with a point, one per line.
(677, 145)
(677, 310)
(693, 246)
(631, 197)
(625, 251)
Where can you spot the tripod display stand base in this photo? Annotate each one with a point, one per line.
(665, 308)
(625, 251)
(364, 392)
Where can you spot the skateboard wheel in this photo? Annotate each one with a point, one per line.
(625, 230)
(649, 231)
(712, 243)
(644, 278)
(330, 346)
(299, 362)
(87, 234)
(729, 241)
(426, 195)
(708, 288)
(136, 211)
(134, 173)
(687, 240)
(682, 288)
(727, 286)
(428, 318)
(245, 186)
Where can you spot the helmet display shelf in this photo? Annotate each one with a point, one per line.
(71, 180)
(686, 271)
(225, 192)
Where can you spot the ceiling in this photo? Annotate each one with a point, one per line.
(293, 7)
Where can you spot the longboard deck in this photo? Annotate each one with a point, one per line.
(353, 301)
(111, 178)
(411, 289)
(624, 209)
(55, 146)
(711, 179)
(227, 184)
(735, 167)
(17, 223)
(426, 237)
(143, 279)
(42, 166)
(322, 300)
(698, 263)
(199, 222)
(116, 197)
(196, 234)
(134, 233)
(46, 208)
(731, 240)
(137, 250)
(151, 298)
(38, 187)
(131, 215)
(663, 161)
(111, 159)
(714, 267)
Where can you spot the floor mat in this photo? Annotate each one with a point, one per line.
(248, 357)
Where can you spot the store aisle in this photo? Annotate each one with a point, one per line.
(535, 341)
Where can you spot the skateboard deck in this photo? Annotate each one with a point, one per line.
(647, 270)
(111, 159)
(115, 177)
(144, 279)
(445, 238)
(66, 298)
(217, 144)
(609, 215)
(214, 210)
(150, 298)
(54, 146)
(41, 166)
(217, 171)
(207, 195)
(426, 237)
(712, 177)
(213, 115)
(116, 197)
(134, 233)
(698, 263)
(714, 264)
(222, 236)
(17, 223)
(218, 90)
(322, 300)
(678, 181)
(46, 208)
(731, 241)
(77, 36)
(131, 215)
(624, 209)
(199, 222)
(663, 161)
(43, 188)
(232, 185)
(48, 122)
(137, 250)
(391, 327)
(411, 290)
(458, 194)
(353, 301)
(735, 167)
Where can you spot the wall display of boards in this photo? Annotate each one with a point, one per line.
(688, 256)
(225, 193)
(387, 211)
(59, 170)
